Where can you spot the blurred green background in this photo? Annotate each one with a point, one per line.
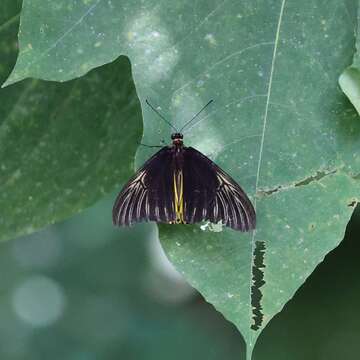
(84, 290)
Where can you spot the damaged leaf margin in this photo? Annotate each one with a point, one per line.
(320, 174)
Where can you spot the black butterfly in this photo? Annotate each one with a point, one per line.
(180, 185)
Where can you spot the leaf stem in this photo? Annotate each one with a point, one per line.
(249, 350)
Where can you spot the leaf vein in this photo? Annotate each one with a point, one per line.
(277, 36)
(66, 33)
(239, 52)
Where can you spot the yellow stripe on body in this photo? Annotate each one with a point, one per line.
(178, 197)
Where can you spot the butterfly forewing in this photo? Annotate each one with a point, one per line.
(148, 196)
(211, 194)
(200, 185)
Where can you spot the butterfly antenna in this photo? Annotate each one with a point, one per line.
(168, 122)
(196, 115)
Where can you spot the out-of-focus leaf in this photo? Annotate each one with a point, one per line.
(62, 146)
(349, 80)
(279, 124)
(109, 301)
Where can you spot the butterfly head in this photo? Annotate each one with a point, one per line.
(177, 138)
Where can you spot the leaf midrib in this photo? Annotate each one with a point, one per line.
(277, 35)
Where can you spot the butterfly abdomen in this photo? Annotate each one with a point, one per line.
(179, 197)
(178, 183)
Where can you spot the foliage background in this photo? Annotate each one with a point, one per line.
(120, 302)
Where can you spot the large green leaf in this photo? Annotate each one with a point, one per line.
(63, 146)
(280, 125)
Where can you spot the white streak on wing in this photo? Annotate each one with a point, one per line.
(139, 177)
(131, 202)
(126, 198)
(118, 208)
(235, 197)
(204, 213)
(139, 204)
(239, 199)
(216, 208)
(232, 217)
(134, 198)
(166, 214)
(223, 203)
(131, 192)
(121, 201)
(231, 198)
(193, 214)
(125, 206)
(147, 206)
(220, 193)
(241, 211)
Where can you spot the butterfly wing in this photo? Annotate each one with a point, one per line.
(148, 196)
(211, 194)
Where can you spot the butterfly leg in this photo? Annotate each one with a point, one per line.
(151, 146)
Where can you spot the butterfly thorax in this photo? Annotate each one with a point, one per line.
(177, 139)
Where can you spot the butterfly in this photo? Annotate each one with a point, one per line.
(180, 185)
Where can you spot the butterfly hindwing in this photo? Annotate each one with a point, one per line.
(148, 196)
(199, 186)
(211, 194)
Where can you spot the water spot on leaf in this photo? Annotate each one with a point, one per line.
(151, 44)
(200, 83)
(312, 226)
(210, 39)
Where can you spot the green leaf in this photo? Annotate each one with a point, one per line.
(281, 127)
(63, 146)
(349, 80)
(279, 124)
